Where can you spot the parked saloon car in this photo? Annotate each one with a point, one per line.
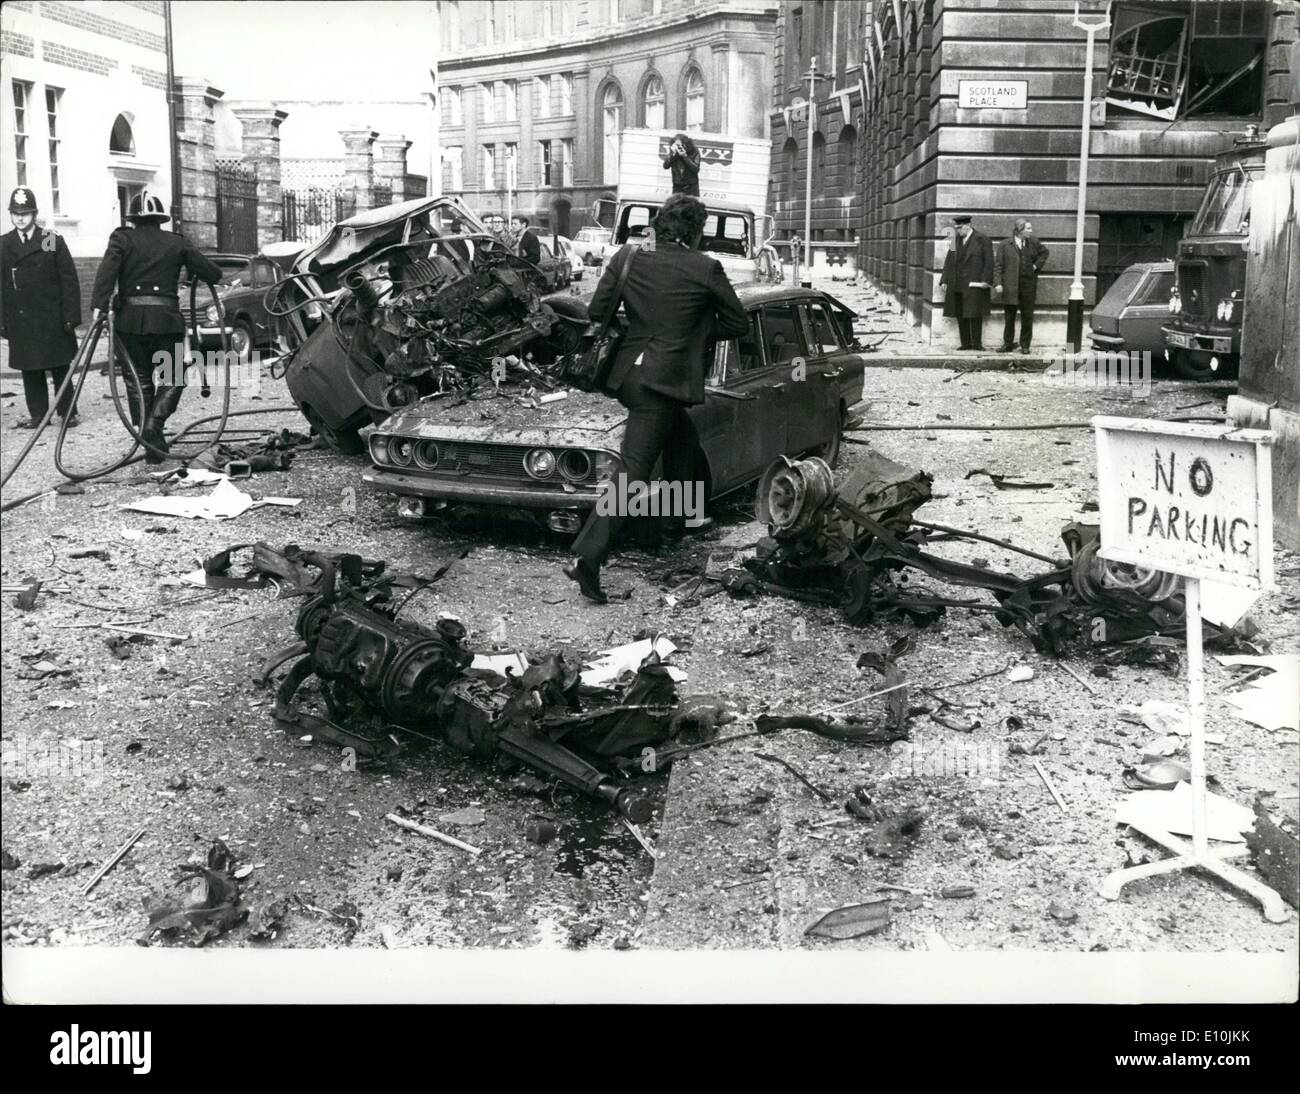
(761, 402)
(244, 281)
(576, 265)
(1135, 307)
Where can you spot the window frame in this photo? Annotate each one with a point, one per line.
(801, 349)
(21, 89)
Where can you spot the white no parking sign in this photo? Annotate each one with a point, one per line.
(1197, 501)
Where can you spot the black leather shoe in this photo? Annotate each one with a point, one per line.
(588, 580)
(153, 435)
(1025, 350)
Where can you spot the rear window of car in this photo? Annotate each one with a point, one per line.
(1122, 288)
(781, 337)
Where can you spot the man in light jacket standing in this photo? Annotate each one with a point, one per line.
(1017, 264)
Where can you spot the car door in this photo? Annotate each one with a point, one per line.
(263, 277)
(741, 424)
(832, 369)
(1147, 312)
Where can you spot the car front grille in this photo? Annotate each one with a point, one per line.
(1191, 286)
(504, 461)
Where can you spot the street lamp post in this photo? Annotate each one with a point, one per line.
(812, 78)
(1074, 314)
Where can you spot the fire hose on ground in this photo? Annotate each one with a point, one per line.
(76, 378)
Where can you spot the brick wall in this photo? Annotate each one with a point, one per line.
(71, 57)
(151, 77)
(77, 15)
(86, 268)
(20, 45)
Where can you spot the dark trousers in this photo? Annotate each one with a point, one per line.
(651, 418)
(971, 332)
(36, 390)
(143, 350)
(1026, 309)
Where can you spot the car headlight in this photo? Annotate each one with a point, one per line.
(575, 464)
(1223, 310)
(1175, 304)
(606, 465)
(426, 454)
(212, 315)
(540, 463)
(401, 451)
(378, 448)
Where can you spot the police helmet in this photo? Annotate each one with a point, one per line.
(22, 200)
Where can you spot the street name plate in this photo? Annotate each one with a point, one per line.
(1194, 500)
(993, 95)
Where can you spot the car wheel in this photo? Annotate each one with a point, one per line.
(1199, 368)
(341, 439)
(241, 339)
(830, 451)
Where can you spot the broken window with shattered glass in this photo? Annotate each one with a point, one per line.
(1188, 60)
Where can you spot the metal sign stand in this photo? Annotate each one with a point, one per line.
(1198, 852)
(1113, 462)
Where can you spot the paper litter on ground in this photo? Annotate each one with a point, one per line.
(613, 663)
(225, 502)
(1171, 811)
(1272, 701)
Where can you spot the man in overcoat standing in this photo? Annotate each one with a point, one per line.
(1016, 266)
(967, 280)
(40, 307)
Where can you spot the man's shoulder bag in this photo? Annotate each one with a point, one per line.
(589, 367)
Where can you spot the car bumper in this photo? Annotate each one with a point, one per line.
(1109, 342)
(211, 336)
(478, 493)
(1196, 341)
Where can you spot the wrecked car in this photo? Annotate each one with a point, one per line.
(785, 388)
(405, 301)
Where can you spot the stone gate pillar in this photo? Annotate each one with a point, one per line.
(197, 147)
(261, 122)
(390, 166)
(359, 164)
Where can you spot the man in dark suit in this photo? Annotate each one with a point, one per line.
(40, 307)
(1016, 266)
(677, 299)
(143, 264)
(526, 242)
(968, 279)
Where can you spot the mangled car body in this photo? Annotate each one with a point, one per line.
(406, 301)
(783, 389)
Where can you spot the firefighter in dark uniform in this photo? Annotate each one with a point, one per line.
(40, 307)
(143, 264)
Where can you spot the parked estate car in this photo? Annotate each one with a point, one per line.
(593, 245)
(244, 281)
(785, 388)
(1130, 316)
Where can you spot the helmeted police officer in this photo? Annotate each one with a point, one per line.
(40, 307)
(143, 263)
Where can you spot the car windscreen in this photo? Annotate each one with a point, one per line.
(234, 272)
(725, 234)
(1226, 208)
(1121, 290)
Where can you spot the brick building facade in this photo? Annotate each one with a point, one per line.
(538, 93)
(83, 114)
(1172, 83)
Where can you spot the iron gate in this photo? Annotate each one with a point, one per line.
(236, 209)
(310, 213)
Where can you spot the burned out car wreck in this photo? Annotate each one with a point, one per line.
(408, 301)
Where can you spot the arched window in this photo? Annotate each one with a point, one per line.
(652, 103)
(819, 165)
(694, 100)
(122, 140)
(611, 110)
(848, 162)
(790, 150)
